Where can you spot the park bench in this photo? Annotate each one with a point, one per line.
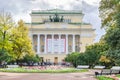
(103, 72)
(82, 67)
(99, 67)
(115, 70)
(12, 66)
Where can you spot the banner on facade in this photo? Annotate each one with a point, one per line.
(56, 45)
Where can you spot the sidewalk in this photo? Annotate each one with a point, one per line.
(48, 76)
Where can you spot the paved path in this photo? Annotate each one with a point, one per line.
(47, 76)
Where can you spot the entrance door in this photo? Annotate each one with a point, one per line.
(42, 61)
(56, 60)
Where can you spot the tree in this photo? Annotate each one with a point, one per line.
(82, 60)
(108, 9)
(14, 40)
(72, 58)
(31, 59)
(93, 53)
(90, 57)
(105, 60)
(21, 42)
(6, 25)
(112, 38)
(110, 14)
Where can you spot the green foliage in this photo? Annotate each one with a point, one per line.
(90, 57)
(103, 78)
(14, 40)
(118, 75)
(72, 58)
(108, 10)
(3, 55)
(106, 61)
(93, 53)
(28, 59)
(21, 42)
(6, 25)
(114, 56)
(110, 14)
(82, 60)
(112, 38)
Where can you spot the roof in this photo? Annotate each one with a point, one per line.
(59, 11)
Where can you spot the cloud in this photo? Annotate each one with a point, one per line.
(15, 6)
(20, 9)
(91, 12)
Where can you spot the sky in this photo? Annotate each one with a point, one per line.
(20, 9)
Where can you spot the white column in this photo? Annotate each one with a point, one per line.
(59, 43)
(66, 43)
(73, 43)
(38, 44)
(80, 42)
(45, 43)
(52, 43)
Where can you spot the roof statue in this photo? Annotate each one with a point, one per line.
(56, 18)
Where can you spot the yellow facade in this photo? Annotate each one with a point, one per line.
(56, 33)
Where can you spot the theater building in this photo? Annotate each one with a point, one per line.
(56, 33)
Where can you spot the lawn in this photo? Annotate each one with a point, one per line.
(118, 75)
(42, 70)
(103, 78)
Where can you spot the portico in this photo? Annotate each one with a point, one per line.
(56, 43)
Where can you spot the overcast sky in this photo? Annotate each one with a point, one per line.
(20, 9)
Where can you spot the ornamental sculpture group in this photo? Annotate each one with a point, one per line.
(56, 18)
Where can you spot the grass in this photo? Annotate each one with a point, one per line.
(118, 75)
(103, 78)
(23, 70)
